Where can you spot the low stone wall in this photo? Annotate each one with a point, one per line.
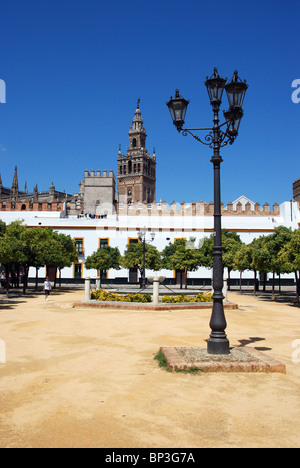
(145, 307)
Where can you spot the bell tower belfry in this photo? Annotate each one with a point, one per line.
(137, 169)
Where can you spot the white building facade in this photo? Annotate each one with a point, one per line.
(169, 223)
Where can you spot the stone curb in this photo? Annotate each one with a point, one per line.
(148, 306)
(256, 361)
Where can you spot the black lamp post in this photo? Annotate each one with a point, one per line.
(215, 139)
(142, 238)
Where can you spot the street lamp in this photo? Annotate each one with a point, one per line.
(218, 344)
(178, 107)
(142, 237)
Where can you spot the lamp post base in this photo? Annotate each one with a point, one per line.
(218, 345)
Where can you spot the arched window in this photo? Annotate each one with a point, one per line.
(23, 207)
(134, 143)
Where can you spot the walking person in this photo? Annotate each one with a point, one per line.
(47, 288)
(2, 280)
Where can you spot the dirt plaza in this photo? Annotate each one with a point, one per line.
(83, 377)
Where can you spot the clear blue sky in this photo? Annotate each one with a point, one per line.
(75, 69)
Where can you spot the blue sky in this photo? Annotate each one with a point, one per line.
(75, 69)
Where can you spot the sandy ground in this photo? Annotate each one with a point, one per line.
(87, 378)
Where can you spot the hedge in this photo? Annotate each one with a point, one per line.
(101, 295)
(180, 299)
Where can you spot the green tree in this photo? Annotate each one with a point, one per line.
(274, 243)
(242, 260)
(12, 249)
(105, 258)
(266, 253)
(258, 258)
(289, 256)
(206, 252)
(35, 242)
(60, 252)
(134, 254)
(2, 228)
(231, 243)
(181, 255)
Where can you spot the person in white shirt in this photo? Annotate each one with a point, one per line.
(47, 288)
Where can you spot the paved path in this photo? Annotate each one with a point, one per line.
(87, 378)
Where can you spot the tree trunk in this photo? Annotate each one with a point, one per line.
(18, 276)
(26, 271)
(241, 281)
(228, 279)
(273, 287)
(55, 278)
(264, 275)
(36, 278)
(7, 280)
(255, 285)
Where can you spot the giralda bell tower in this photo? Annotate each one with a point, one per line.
(137, 169)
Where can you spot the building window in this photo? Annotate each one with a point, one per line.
(133, 240)
(78, 270)
(103, 274)
(103, 243)
(79, 244)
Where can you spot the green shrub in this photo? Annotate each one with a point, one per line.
(186, 299)
(102, 295)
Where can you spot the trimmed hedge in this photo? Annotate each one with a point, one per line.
(181, 299)
(101, 295)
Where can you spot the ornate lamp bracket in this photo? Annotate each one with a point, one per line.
(224, 138)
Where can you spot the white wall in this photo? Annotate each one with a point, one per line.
(167, 228)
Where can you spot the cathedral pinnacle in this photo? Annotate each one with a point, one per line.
(15, 184)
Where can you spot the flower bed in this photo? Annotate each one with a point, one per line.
(101, 295)
(184, 299)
